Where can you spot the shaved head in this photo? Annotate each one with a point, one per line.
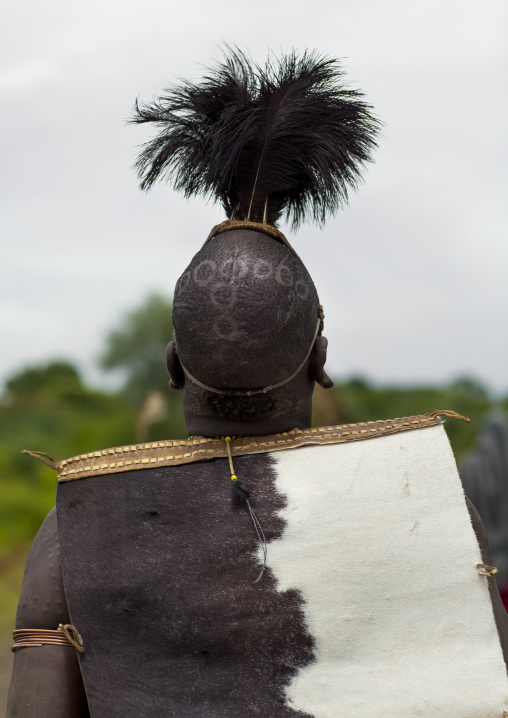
(245, 312)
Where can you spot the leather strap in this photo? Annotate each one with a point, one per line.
(200, 448)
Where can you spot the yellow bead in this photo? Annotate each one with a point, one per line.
(234, 477)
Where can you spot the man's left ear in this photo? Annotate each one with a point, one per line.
(174, 367)
(317, 363)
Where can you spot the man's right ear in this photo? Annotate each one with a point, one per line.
(174, 367)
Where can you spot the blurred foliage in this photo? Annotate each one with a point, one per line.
(12, 564)
(357, 400)
(138, 348)
(48, 408)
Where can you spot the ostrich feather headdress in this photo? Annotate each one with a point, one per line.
(289, 138)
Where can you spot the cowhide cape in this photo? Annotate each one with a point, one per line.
(371, 603)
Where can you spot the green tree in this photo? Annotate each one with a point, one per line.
(50, 378)
(138, 348)
(361, 401)
(48, 408)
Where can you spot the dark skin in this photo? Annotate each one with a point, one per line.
(46, 680)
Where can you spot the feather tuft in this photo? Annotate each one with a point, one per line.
(289, 138)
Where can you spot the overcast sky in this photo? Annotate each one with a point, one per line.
(413, 275)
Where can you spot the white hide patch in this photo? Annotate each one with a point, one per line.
(379, 542)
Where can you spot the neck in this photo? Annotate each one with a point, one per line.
(290, 407)
(212, 426)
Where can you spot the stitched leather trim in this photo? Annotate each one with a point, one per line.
(172, 453)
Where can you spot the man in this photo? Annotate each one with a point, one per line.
(260, 568)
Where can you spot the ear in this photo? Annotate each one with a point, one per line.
(317, 363)
(174, 367)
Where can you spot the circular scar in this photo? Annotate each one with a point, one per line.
(205, 272)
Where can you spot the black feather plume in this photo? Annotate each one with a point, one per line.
(287, 137)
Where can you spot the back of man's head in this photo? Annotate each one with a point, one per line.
(245, 312)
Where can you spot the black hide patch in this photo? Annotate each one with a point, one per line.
(158, 567)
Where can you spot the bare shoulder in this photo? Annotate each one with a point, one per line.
(46, 680)
(42, 602)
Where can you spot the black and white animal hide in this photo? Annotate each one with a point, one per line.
(371, 604)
